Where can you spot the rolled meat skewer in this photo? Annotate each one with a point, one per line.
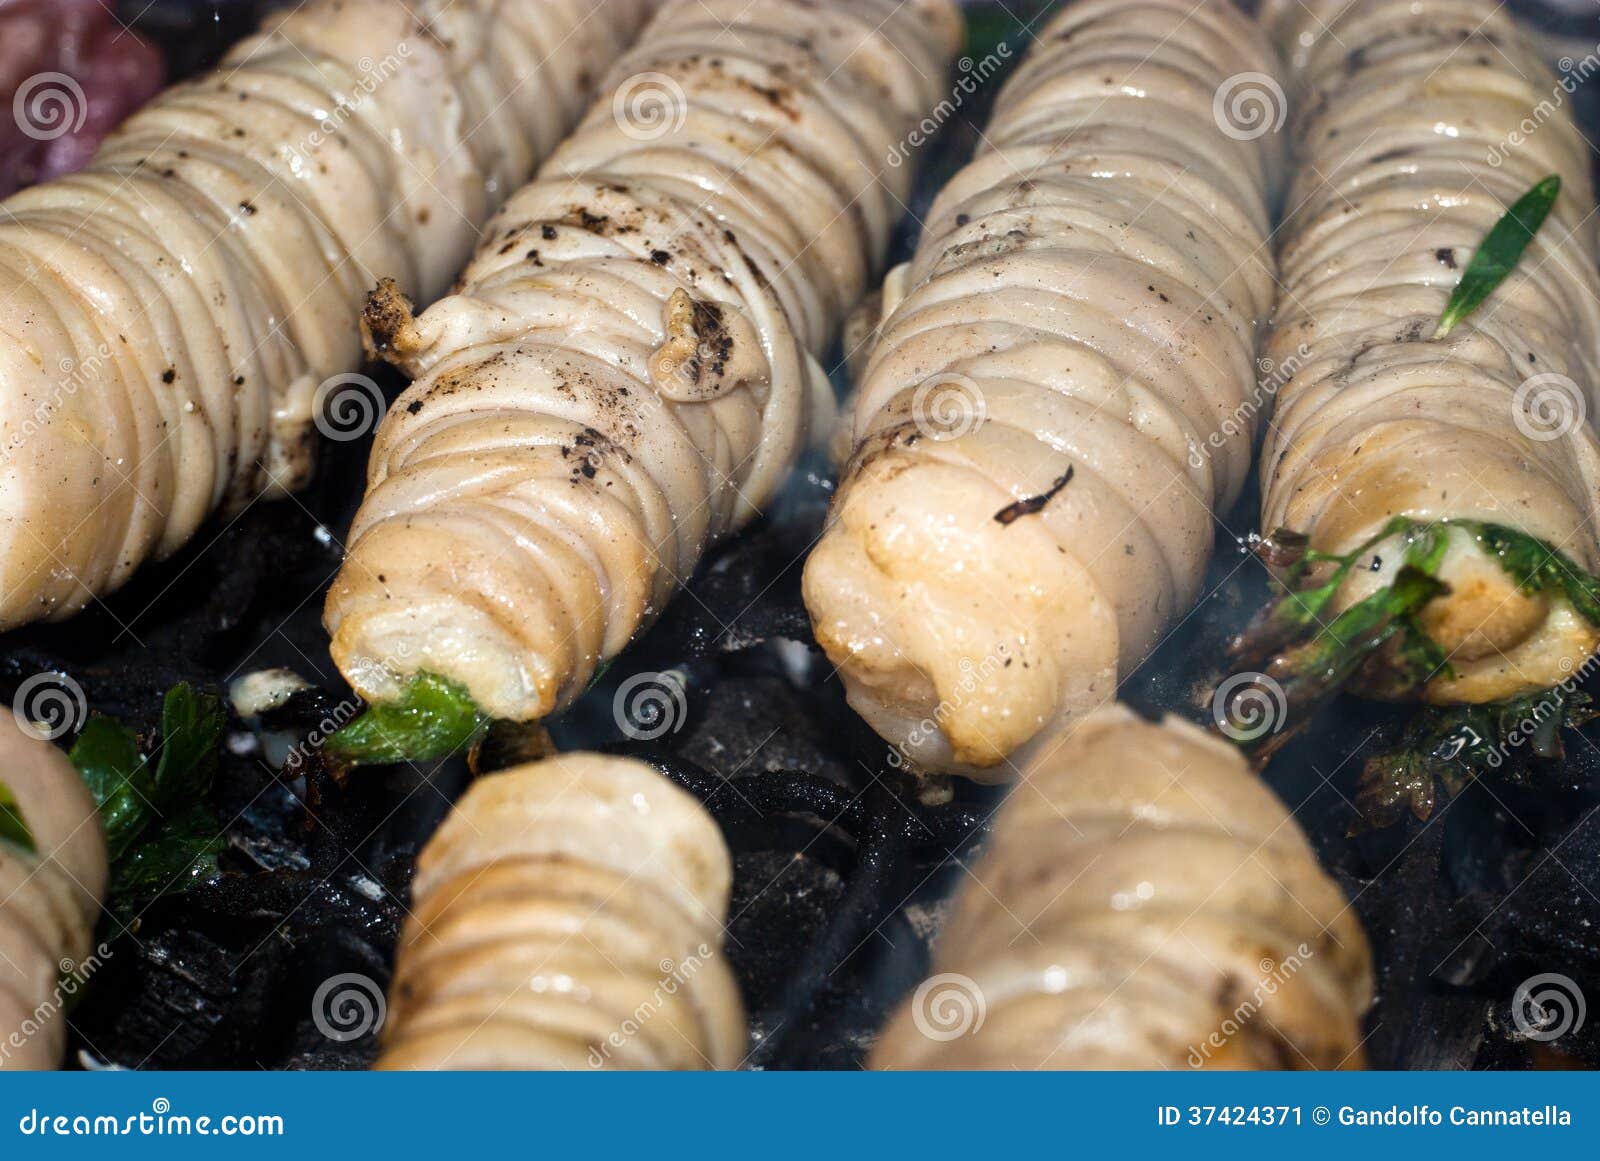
(172, 316)
(1057, 402)
(1390, 446)
(51, 888)
(568, 915)
(1145, 902)
(628, 371)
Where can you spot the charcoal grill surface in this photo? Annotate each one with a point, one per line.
(841, 868)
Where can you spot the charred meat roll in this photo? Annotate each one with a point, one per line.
(568, 915)
(628, 369)
(53, 875)
(1054, 406)
(174, 314)
(1145, 902)
(1459, 458)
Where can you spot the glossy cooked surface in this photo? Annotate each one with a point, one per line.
(1413, 124)
(629, 369)
(1145, 902)
(1058, 399)
(49, 897)
(568, 914)
(170, 313)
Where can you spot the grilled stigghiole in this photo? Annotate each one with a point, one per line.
(1145, 902)
(51, 886)
(628, 370)
(558, 899)
(1058, 402)
(171, 312)
(1388, 444)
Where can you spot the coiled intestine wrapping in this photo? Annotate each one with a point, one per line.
(627, 372)
(49, 897)
(568, 914)
(170, 314)
(1061, 397)
(1420, 122)
(1145, 902)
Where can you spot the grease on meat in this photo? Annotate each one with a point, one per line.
(49, 896)
(1059, 400)
(557, 901)
(172, 311)
(1145, 902)
(1413, 134)
(628, 371)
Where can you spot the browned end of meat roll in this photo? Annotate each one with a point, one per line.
(1060, 395)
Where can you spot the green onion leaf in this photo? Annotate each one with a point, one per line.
(433, 718)
(1499, 253)
(13, 827)
(1293, 641)
(1539, 568)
